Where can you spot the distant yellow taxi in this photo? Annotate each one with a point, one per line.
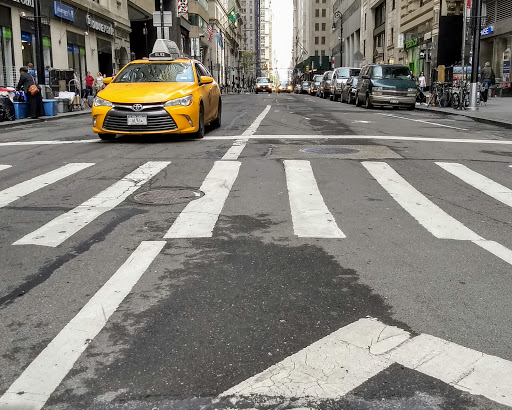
(158, 96)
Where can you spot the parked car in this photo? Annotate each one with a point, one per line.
(263, 84)
(325, 85)
(315, 84)
(305, 87)
(386, 85)
(348, 94)
(297, 89)
(339, 78)
(285, 88)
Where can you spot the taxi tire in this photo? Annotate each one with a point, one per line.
(200, 131)
(107, 137)
(217, 122)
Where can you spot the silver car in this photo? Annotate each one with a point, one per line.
(325, 85)
(339, 78)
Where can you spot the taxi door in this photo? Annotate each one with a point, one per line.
(206, 94)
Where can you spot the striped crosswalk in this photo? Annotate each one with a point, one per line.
(310, 215)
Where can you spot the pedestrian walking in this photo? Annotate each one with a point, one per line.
(35, 101)
(98, 86)
(422, 81)
(488, 78)
(89, 82)
(412, 75)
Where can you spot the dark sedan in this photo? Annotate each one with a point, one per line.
(306, 85)
(348, 93)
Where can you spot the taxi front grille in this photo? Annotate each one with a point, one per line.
(116, 120)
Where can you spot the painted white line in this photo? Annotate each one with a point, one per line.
(496, 249)
(425, 122)
(64, 226)
(2, 167)
(311, 217)
(429, 215)
(35, 385)
(343, 360)
(330, 367)
(199, 217)
(362, 137)
(27, 187)
(478, 181)
(239, 144)
(52, 142)
(463, 368)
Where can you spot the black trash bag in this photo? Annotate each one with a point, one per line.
(8, 108)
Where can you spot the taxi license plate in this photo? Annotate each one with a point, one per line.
(393, 101)
(137, 120)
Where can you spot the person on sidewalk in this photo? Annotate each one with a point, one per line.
(99, 83)
(422, 81)
(35, 102)
(488, 78)
(89, 82)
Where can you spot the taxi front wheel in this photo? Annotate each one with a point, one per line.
(107, 137)
(200, 130)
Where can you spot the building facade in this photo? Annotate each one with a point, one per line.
(346, 38)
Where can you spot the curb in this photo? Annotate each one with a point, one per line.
(17, 123)
(488, 121)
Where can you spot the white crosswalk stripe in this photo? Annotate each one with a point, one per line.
(2, 167)
(22, 189)
(479, 181)
(310, 216)
(64, 226)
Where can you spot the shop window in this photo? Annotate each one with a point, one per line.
(27, 48)
(77, 62)
(7, 76)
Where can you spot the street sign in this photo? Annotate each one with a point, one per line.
(167, 19)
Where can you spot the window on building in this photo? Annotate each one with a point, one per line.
(324, 12)
(316, 40)
(317, 26)
(393, 5)
(364, 48)
(316, 53)
(392, 39)
(323, 26)
(380, 15)
(323, 40)
(197, 20)
(322, 53)
(317, 1)
(317, 12)
(324, 1)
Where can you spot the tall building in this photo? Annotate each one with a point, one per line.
(346, 35)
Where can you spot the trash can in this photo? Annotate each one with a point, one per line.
(62, 105)
(21, 110)
(50, 107)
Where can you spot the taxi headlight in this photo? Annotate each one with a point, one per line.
(183, 101)
(100, 102)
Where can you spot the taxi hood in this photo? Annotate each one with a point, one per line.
(143, 93)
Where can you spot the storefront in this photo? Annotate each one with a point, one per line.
(495, 47)
(6, 47)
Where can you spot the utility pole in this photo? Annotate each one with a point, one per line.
(258, 40)
(476, 15)
(39, 45)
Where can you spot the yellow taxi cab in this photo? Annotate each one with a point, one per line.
(165, 94)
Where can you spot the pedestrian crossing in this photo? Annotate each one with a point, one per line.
(310, 216)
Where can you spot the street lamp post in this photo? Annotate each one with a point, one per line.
(38, 28)
(336, 18)
(476, 16)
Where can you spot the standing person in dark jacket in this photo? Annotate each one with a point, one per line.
(35, 101)
(487, 78)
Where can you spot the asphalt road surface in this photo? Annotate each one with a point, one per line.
(307, 254)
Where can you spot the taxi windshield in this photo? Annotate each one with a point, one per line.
(156, 73)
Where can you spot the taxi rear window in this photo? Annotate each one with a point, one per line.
(156, 73)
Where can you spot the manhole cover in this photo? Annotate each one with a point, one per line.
(167, 196)
(329, 150)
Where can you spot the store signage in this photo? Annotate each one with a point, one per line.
(487, 30)
(26, 37)
(106, 28)
(182, 7)
(413, 42)
(63, 11)
(427, 36)
(29, 3)
(400, 41)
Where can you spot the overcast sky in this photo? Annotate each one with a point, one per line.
(282, 35)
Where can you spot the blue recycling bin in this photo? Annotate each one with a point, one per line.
(50, 107)
(21, 110)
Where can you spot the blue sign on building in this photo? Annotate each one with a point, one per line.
(63, 11)
(487, 30)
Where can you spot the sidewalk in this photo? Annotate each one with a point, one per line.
(25, 121)
(498, 111)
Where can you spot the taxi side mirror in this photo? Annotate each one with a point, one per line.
(205, 80)
(107, 80)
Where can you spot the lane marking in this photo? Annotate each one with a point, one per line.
(2, 167)
(27, 187)
(199, 217)
(239, 144)
(479, 181)
(310, 216)
(425, 122)
(428, 214)
(336, 364)
(40, 379)
(289, 137)
(64, 226)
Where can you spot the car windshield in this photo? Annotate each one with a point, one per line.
(391, 72)
(329, 75)
(263, 81)
(343, 72)
(305, 83)
(156, 73)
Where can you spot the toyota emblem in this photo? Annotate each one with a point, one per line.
(137, 107)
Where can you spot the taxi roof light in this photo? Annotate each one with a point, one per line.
(164, 50)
